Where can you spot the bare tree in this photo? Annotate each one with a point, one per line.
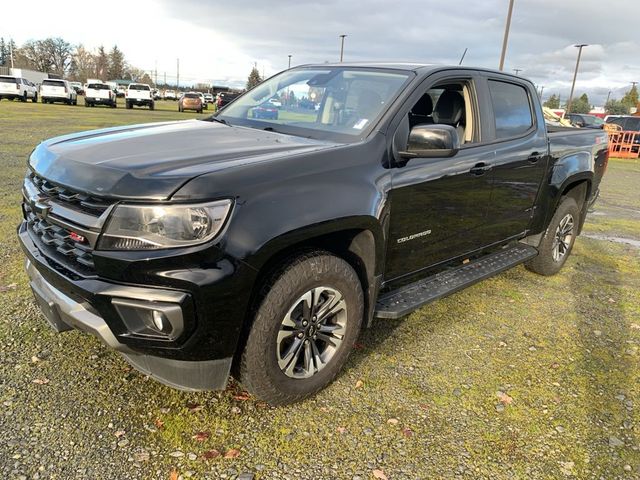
(83, 64)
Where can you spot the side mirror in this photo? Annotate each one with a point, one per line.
(429, 141)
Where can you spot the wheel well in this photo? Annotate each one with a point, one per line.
(579, 191)
(356, 247)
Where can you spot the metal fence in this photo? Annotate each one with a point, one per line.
(624, 144)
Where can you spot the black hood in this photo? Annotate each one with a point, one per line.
(152, 161)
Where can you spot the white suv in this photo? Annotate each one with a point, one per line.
(54, 90)
(139, 94)
(17, 87)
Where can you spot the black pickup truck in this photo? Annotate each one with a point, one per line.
(260, 247)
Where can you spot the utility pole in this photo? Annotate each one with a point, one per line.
(462, 57)
(608, 97)
(11, 52)
(541, 90)
(517, 70)
(505, 39)
(165, 79)
(178, 74)
(575, 74)
(289, 61)
(342, 46)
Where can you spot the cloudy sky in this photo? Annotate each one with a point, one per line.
(219, 41)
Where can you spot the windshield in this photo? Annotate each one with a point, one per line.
(596, 121)
(321, 103)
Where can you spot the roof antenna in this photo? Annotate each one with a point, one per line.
(462, 57)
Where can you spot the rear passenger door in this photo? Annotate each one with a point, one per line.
(520, 141)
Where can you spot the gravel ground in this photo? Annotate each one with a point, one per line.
(517, 377)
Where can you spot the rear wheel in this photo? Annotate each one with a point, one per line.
(558, 240)
(35, 98)
(304, 329)
(152, 106)
(129, 106)
(24, 97)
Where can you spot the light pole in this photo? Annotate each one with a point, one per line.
(517, 70)
(541, 90)
(505, 39)
(575, 74)
(289, 60)
(341, 46)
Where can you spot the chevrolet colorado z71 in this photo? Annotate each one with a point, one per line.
(261, 246)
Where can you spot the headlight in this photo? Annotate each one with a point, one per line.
(149, 227)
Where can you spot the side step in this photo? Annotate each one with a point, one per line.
(401, 302)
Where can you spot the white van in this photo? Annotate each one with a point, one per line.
(54, 90)
(17, 87)
(99, 93)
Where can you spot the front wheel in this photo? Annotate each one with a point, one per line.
(304, 329)
(35, 98)
(558, 239)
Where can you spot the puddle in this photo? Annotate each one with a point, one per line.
(609, 238)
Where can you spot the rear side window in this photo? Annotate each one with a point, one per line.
(138, 87)
(511, 109)
(98, 86)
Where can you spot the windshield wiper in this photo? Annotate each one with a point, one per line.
(219, 120)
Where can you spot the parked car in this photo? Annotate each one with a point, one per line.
(139, 94)
(582, 120)
(203, 100)
(208, 98)
(156, 94)
(17, 87)
(260, 246)
(169, 95)
(628, 123)
(77, 86)
(99, 94)
(275, 102)
(191, 101)
(121, 91)
(266, 110)
(225, 98)
(54, 90)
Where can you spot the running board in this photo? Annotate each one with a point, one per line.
(401, 302)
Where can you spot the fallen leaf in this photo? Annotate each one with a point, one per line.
(341, 430)
(424, 406)
(242, 396)
(6, 288)
(141, 456)
(236, 410)
(201, 436)
(392, 421)
(209, 454)
(379, 474)
(176, 454)
(34, 359)
(119, 433)
(358, 346)
(232, 453)
(41, 381)
(194, 407)
(158, 423)
(504, 398)
(174, 474)
(407, 432)
(359, 384)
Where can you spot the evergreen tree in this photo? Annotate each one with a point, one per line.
(616, 107)
(580, 104)
(4, 52)
(116, 64)
(630, 98)
(254, 78)
(102, 64)
(552, 102)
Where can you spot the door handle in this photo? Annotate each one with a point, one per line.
(534, 157)
(480, 169)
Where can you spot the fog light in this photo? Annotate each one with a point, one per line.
(150, 319)
(161, 322)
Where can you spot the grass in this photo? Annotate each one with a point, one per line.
(564, 349)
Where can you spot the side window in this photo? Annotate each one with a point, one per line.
(511, 109)
(447, 103)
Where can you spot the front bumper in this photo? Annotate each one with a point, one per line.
(199, 360)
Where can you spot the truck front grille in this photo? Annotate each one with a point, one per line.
(64, 225)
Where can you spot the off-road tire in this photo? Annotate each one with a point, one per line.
(544, 263)
(258, 369)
